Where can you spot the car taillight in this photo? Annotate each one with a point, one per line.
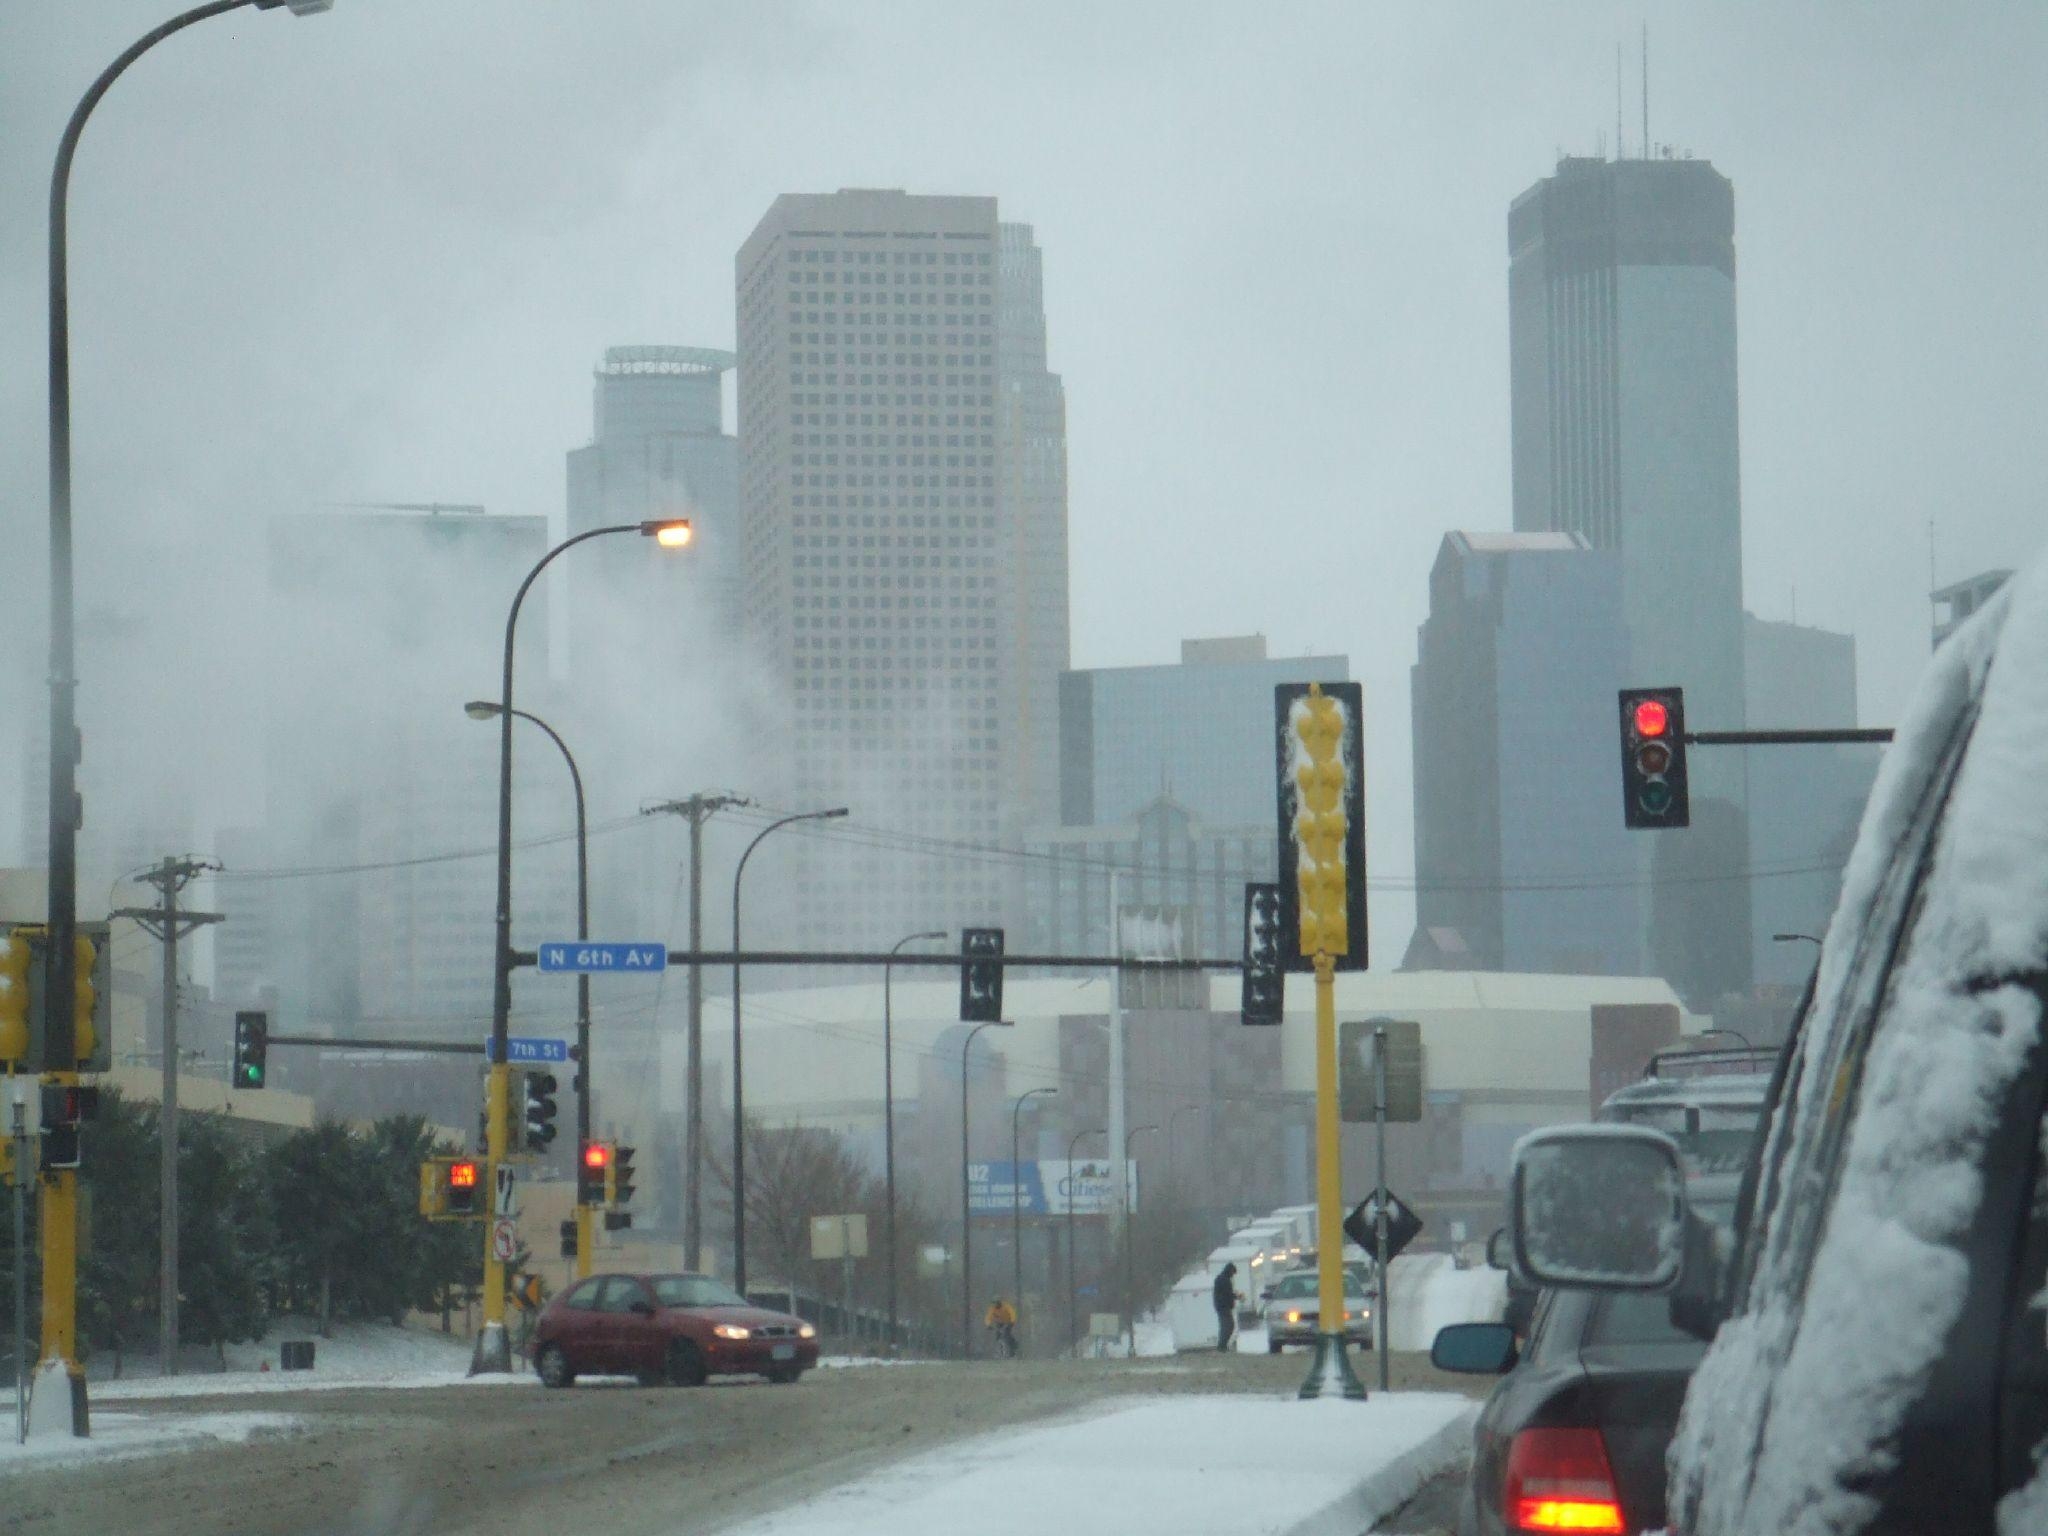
(1559, 1480)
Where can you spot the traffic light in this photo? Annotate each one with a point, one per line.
(252, 1047)
(537, 1117)
(60, 1146)
(1264, 991)
(69, 1104)
(85, 995)
(593, 1173)
(981, 975)
(1654, 788)
(618, 1184)
(464, 1181)
(15, 958)
(1322, 824)
(568, 1232)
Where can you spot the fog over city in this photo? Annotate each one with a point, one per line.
(376, 258)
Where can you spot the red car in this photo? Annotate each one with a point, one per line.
(677, 1329)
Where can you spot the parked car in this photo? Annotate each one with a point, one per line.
(677, 1329)
(1294, 1307)
(1879, 1359)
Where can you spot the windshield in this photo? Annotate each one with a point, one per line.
(1712, 1138)
(695, 1291)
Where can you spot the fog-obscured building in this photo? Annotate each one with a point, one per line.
(1520, 849)
(902, 498)
(1622, 358)
(1806, 802)
(659, 449)
(1955, 602)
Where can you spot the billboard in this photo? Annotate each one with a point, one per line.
(1045, 1187)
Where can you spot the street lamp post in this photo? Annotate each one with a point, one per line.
(1017, 1200)
(966, 1203)
(484, 709)
(739, 1096)
(493, 1348)
(59, 1219)
(1073, 1281)
(1131, 1246)
(889, 1118)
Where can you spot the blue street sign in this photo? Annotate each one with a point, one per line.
(533, 1048)
(571, 956)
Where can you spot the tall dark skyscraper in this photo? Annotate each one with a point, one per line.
(1621, 313)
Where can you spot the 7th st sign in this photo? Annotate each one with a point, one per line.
(571, 956)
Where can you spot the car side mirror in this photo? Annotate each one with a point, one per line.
(1499, 1253)
(1475, 1349)
(1599, 1207)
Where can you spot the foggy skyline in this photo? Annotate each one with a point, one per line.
(371, 255)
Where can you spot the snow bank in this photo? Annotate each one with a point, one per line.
(119, 1435)
(359, 1355)
(1161, 1467)
(1427, 1292)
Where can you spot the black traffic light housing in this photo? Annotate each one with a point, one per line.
(981, 975)
(537, 1110)
(1654, 789)
(593, 1172)
(568, 1235)
(1263, 995)
(619, 1190)
(252, 1048)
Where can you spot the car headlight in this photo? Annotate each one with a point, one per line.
(806, 1331)
(730, 1331)
(1294, 1317)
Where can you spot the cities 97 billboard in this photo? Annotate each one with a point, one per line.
(1047, 1187)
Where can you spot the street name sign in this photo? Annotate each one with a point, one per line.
(533, 1048)
(572, 956)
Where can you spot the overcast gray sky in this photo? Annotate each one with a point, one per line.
(375, 254)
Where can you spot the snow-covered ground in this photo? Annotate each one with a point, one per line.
(1160, 1467)
(119, 1434)
(359, 1355)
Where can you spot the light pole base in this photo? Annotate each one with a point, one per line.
(1330, 1373)
(493, 1351)
(56, 1403)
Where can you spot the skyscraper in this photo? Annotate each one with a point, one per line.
(659, 449)
(1621, 314)
(902, 490)
(1520, 850)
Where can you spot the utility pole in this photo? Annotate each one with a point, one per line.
(697, 810)
(168, 924)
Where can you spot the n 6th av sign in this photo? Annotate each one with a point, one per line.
(603, 957)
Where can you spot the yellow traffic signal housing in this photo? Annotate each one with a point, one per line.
(450, 1188)
(85, 995)
(15, 958)
(1322, 823)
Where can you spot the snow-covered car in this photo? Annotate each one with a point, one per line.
(1881, 1359)
(1294, 1307)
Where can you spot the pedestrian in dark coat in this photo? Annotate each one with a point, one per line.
(1225, 1294)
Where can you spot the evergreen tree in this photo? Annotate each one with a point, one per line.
(225, 1237)
(120, 1264)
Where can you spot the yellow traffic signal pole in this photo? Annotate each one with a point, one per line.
(1320, 831)
(58, 1229)
(586, 1227)
(493, 1346)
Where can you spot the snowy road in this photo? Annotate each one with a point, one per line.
(514, 1460)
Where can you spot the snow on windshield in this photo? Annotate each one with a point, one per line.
(1793, 1409)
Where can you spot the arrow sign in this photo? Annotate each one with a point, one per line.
(1403, 1225)
(572, 956)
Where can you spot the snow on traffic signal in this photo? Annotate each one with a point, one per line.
(1321, 731)
(1262, 996)
(1653, 776)
(537, 1111)
(981, 975)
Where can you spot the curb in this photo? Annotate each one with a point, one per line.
(1387, 1488)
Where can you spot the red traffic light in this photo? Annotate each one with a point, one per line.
(596, 1155)
(1653, 718)
(462, 1175)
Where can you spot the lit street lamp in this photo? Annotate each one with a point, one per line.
(739, 1094)
(1017, 1199)
(889, 1115)
(493, 1348)
(484, 709)
(59, 1348)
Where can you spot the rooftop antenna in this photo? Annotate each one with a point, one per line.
(1646, 90)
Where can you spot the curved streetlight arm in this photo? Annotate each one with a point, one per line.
(739, 1095)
